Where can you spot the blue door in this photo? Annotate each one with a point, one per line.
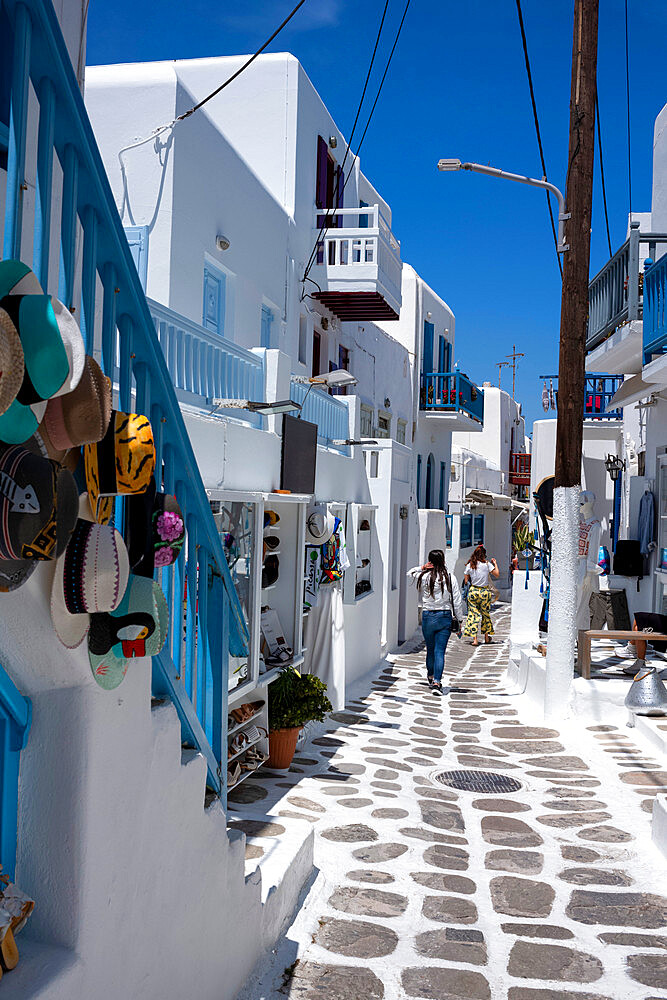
(137, 237)
(214, 300)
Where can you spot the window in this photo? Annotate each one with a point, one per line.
(267, 323)
(401, 427)
(466, 531)
(137, 237)
(344, 365)
(478, 529)
(443, 484)
(214, 300)
(303, 340)
(373, 460)
(366, 421)
(427, 350)
(448, 529)
(317, 348)
(384, 426)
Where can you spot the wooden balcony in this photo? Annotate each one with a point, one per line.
(519, 468)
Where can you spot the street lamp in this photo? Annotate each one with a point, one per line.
(479, 168)
(614, 466)
(267, 409)
(337, 379)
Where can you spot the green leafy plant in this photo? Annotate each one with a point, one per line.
(296, 699)
(523, 539)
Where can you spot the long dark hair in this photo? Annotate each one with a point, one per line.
(479, 555)
(436, 571)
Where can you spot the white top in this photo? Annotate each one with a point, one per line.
(479, 576)
(440, 601)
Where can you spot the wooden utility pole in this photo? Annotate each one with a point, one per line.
(579, 197)
(514, 356)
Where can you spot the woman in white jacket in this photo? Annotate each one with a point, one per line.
(441, 604)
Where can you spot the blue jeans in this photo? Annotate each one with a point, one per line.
(437, 628)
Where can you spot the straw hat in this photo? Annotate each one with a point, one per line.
(12, 366)
(80, 417)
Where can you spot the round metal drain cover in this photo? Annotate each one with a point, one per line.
(478, 781)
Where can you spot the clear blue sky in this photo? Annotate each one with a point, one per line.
(457, 87)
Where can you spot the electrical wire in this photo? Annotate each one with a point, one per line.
(537, 128)
(627, 101)
(604, 190)
(247, 63)
(331, 212)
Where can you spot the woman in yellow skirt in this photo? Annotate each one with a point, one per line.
(477, 573)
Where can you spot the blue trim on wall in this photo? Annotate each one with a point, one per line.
(15, 719)
(137, 238)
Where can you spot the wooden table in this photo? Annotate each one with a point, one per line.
(583, 664)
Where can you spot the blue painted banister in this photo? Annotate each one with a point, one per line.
(192, 669)
(655, 309)
(451, 392)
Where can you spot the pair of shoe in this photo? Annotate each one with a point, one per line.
(253, 759)
(436, 687)
(282, 657)
(233, 775)
(15, 908)
(245, 712)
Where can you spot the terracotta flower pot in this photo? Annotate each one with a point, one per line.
(282, 745)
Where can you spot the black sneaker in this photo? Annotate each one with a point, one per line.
(437, 688)
(429, 681)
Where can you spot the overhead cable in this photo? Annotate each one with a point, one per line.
(627, 102)
(604, 189)
(537, 128)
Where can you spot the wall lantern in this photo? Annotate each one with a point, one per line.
(614, 466)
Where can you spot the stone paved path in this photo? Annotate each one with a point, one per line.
(554, 891)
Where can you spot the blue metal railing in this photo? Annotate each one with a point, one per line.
(204, 366)
(118, 329)
(451, 392)
(15, 718)
(655, 311)
(330, 415)
(599, 388)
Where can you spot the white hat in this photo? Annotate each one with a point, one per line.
(320, 523)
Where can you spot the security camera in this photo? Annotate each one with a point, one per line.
(222, 243)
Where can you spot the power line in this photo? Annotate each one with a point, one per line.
(537, 128)
(331, 213)
(247, 63)
(604, 190)
(627, 101)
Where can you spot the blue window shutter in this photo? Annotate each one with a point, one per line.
(267, 321)
(442, 486)
(466, 531)
(441, 354)
(137, 237)
(427, 353)
(447, 362)
(214, 300)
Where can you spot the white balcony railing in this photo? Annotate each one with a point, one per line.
(362, 258)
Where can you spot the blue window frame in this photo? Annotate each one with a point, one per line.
(137, 237)
(466, 531)
(15, 717)
(443, 482)
(478, 529)
(449, 519)
(419, 478)
(213, 313)
(267, 323)
(427, 352)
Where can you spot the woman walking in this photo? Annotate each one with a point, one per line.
(477, 573)
(442, 611)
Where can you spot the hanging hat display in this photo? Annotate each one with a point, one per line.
(90, 576)
(38, 511)
(53, 354)
(155, 531)
(82, 416)
(552, 395)
(320, 524)
(545, 398)
(16, 278)
(12, 366)
(123, 462)
(137, 627)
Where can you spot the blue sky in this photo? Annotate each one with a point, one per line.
(457, 87)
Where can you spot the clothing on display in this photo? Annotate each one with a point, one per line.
(610, 608)
(313, 570)
(588, 570)
(335, 559)
(324, 640)
(646, 525)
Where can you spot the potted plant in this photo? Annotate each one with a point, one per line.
(524, 544)
(294, 700)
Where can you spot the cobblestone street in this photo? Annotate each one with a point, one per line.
(551, 891)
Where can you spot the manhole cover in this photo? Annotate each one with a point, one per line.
(478, 781)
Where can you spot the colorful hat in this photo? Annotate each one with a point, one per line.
(53, 355)
(91, 576)
(320, 524)
(138, 627)
(12, 366)
(80, 417)
(123, 462)
(156, 531)
(38, 510)
(16, 278)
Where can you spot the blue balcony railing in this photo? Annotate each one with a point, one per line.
(599, 388)
(204, 366)
(100, 285)
(655, 309)
(451, 392)
(330, 415)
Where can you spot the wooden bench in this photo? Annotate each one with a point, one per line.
(583, 664)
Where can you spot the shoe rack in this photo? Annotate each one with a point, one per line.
(362, 552)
